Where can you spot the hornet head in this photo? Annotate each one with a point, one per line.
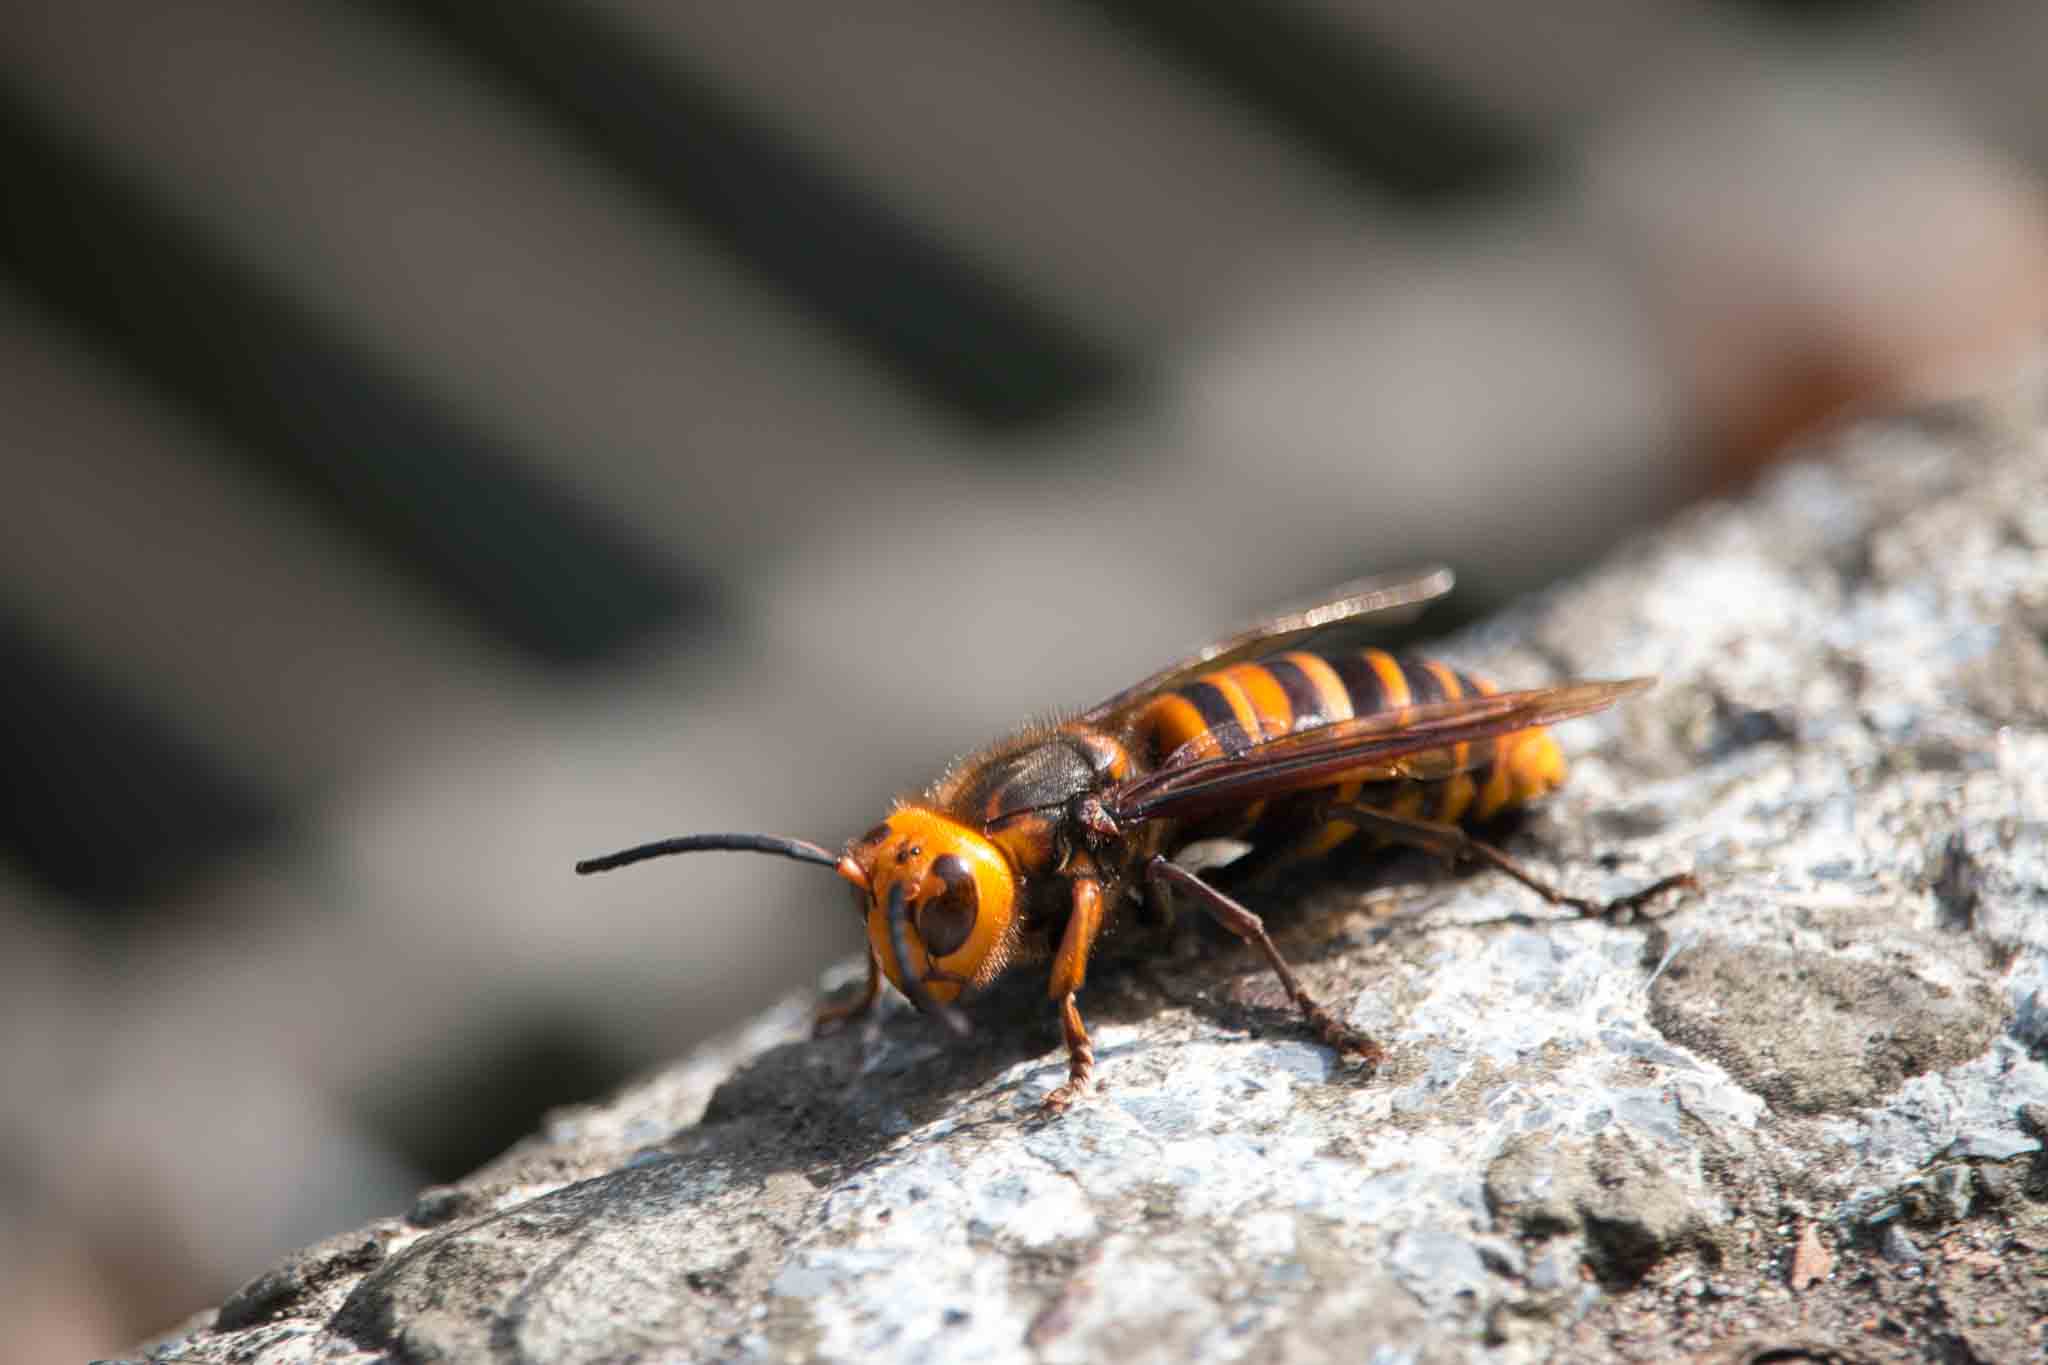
(939, 900)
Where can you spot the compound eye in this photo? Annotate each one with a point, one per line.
(946, 921)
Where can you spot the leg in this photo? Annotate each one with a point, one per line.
(1069, 971)
(1080, 1059)
(1252, 930)
(831, 1018)
(1451, 843)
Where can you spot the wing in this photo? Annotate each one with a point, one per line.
(1408, 741)
(1353, 602)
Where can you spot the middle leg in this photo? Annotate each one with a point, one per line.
(1248, 926)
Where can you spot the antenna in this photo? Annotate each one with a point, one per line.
(797, 849)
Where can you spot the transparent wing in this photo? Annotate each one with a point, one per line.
(1421, 741)
(1355, 601)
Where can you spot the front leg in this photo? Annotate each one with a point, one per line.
(1069, 971)
(831, 1018)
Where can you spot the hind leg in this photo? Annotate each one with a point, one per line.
(1452, 843)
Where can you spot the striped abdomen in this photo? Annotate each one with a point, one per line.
(1299, 690)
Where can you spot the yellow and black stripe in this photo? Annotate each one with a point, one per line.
(1233, 709)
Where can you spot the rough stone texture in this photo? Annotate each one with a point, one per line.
(1802, 1110)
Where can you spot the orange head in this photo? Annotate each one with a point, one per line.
(939, 898)
(936, 895)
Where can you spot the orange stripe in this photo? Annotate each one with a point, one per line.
(1453, 797)
(1457, 791)
(1249, 721)
(1321, 841)
(1499, 788)
(1172, 721)
(1265, 696)
(1336, 696)
(1240, 704)
(1446, 677)
(1393, 682)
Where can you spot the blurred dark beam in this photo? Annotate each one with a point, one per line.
(465, 519)
(99, 802)
(946, 326)
(1365, 111)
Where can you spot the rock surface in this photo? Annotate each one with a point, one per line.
(1800, 1111)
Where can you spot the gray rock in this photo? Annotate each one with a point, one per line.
(1628, 1203)
(1580, 1125)
(1899, 1246)
(1860, 1031)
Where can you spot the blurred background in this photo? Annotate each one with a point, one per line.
(444, 440)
